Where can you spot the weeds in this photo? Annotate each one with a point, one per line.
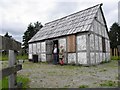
(72, 63)
(103, 70)
(109, 84)
(21, 79)
(105, 61)
(83, 86)
(66, 86)
(24, 80)
(115, 57)
(5, 57)
(51, 73)
(69, 67)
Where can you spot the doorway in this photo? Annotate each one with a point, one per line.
(56, 42)
(49, 50)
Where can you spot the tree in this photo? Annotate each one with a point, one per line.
(7, 35)
(38, 26)
(114, 35)
(30, 32)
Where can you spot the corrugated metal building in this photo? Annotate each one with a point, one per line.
(84, 36)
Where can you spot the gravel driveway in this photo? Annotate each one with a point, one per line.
(43, 75)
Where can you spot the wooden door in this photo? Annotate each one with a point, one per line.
(49, 48)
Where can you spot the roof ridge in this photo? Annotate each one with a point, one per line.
(74, 13)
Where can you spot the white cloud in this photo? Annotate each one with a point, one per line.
(26, 11)
(17, 14)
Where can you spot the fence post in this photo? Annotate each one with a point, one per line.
(12, 62)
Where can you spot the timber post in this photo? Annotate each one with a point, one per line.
(12, 62)
(13, 46)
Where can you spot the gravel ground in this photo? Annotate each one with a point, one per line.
(43, 75)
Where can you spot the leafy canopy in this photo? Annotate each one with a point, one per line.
(114, 35)
(32, 29)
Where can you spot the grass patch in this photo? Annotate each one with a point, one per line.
(103, 70)
(43, 62)
(51, 73)
(69, 67)
(25, 81)
(22, 79)
(105, 61)
(66, 86)
(83, 86)
(5, 57)
(109, 84)
(23, 57)
(4, 82)
(115, 57)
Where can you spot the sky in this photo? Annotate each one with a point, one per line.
(16, 15)
(119, 13)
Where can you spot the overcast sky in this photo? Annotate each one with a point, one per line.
(17, 14)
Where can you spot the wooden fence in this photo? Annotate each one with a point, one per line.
(115, 51)
(11, 71)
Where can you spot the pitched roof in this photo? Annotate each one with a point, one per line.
(71, 24)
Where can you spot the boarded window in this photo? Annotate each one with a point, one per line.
(103, 45)
(71, 47)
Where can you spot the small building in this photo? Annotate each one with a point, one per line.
(84, 36)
